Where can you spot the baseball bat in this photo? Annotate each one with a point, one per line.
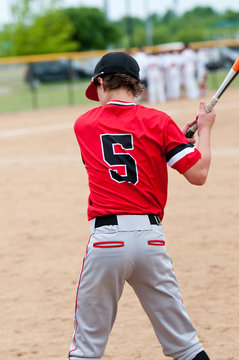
(232, 74)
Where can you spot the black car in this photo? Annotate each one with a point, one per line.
(50, 71)
(221, 58)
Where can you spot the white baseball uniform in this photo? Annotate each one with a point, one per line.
(155, 79)
(189, 59)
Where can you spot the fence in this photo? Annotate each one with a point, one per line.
(22, 88)
(45, 80)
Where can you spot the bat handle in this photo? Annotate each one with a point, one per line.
(211, 104)
(191, 131)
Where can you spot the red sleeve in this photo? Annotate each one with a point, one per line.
(180, 153)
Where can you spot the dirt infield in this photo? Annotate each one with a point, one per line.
(44, 231)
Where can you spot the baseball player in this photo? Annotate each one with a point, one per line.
(202, 72)
(142, 59)
(155, 78)
(189, 60)
(126, 148)
(173, 65)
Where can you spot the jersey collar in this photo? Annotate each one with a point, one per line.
(120, 103)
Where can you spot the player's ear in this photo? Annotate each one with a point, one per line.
(100, 81)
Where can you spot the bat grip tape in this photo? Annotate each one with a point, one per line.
(191, 131)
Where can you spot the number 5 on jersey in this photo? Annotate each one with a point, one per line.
(115, 159)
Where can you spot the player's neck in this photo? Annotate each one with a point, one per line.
(118, 94)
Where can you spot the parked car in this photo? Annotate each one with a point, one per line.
(221, 58)
(50, 71)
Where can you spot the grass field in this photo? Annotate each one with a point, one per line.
(16, 95)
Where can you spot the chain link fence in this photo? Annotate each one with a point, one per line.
(30, 83)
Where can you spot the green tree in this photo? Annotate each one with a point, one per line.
(48, 28)
(49, 33)
(21, 11)
(170, 16)
(190, 35)
(134, 32)
(162, 35)
(25, 11)
(191, 26)
(92, 30)
(231, 16)
(199, 17)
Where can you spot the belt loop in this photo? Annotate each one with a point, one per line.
(157, 219)
(154, 219)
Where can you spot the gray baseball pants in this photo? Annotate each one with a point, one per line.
(132, 251)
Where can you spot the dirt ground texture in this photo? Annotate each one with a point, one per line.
(44, 232)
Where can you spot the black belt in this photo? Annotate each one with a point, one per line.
(112, 220)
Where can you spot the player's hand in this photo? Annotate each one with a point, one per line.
(186, 127)
(205, 121)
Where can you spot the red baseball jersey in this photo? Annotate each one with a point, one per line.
(126, 149)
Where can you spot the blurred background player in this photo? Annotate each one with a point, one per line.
(173, 76)
(142, 59)
(155, 78)
(189, 69)
(202, 60)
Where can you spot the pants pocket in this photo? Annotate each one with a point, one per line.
(108, 244)
(156, 242)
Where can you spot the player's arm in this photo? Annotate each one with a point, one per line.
(197, 174)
